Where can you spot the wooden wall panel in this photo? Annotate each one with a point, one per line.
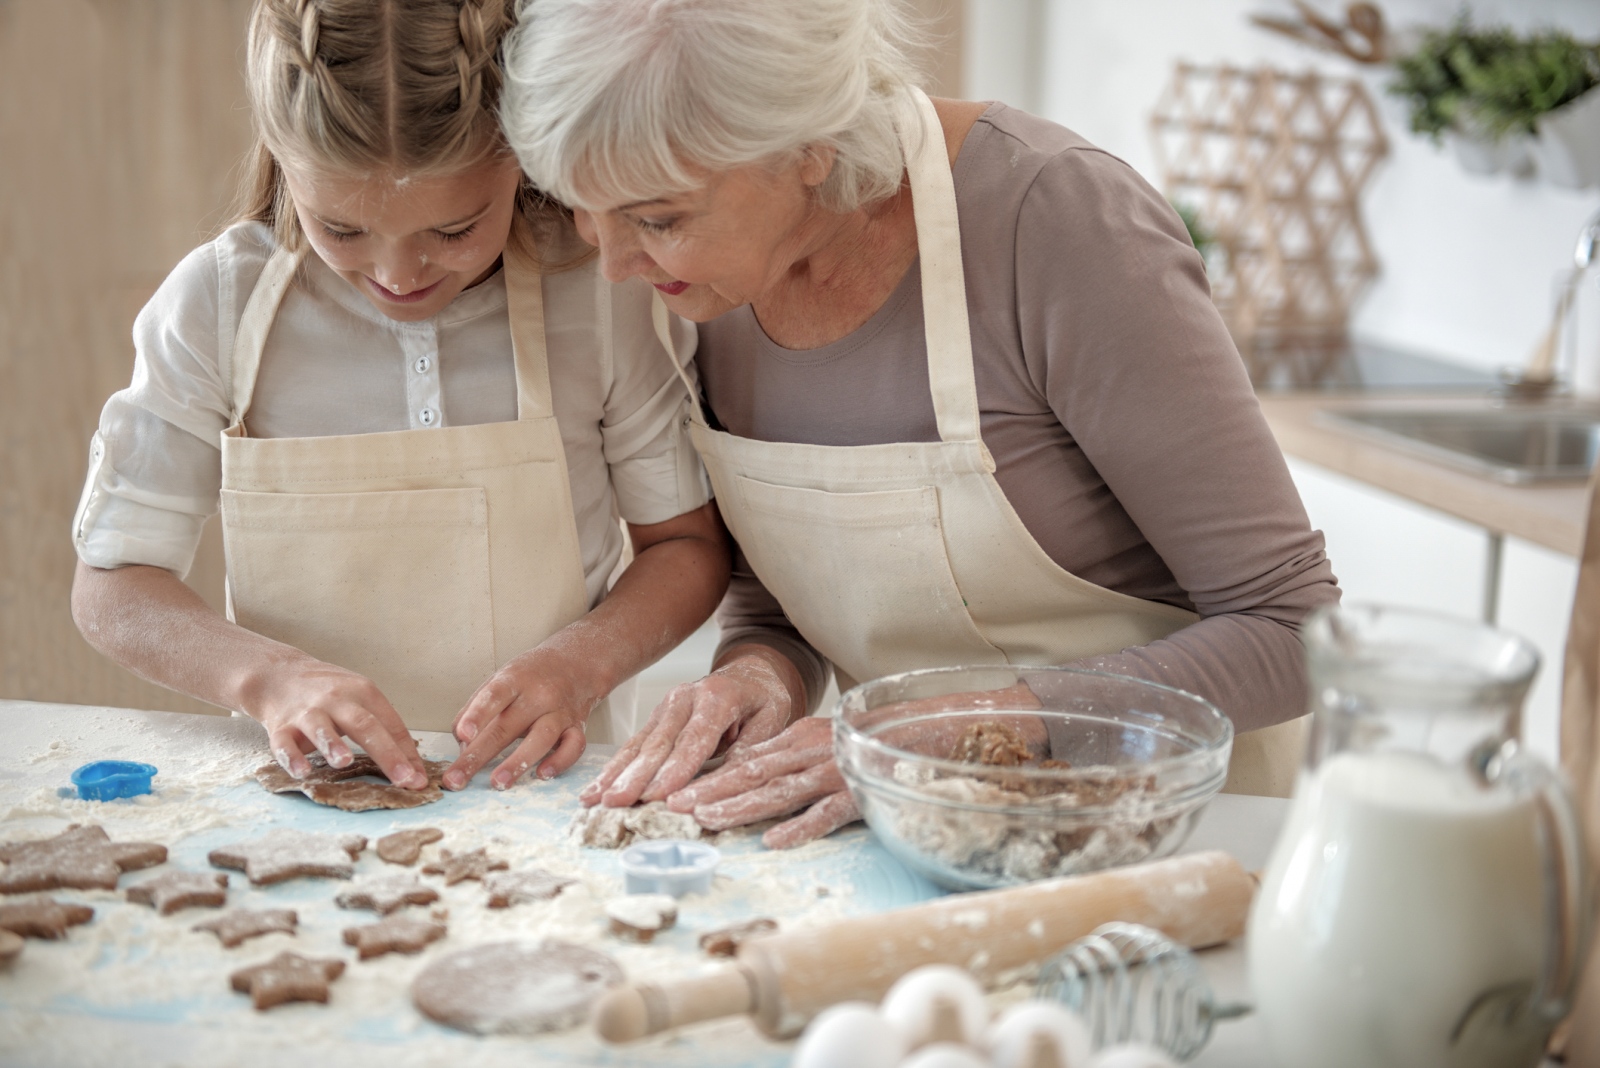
(121, 123)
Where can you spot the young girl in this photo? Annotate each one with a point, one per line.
(420, 440)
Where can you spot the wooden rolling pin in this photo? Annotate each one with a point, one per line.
(1201, 899)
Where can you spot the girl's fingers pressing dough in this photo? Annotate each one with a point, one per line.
(568, 749)
(385, 738)
(541, 738)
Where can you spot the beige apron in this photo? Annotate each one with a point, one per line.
(893, 557)
(423, 559)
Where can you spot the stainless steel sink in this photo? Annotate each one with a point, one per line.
(1515, 445)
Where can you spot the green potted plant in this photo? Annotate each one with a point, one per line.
(1505, 101)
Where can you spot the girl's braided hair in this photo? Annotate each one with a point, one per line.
(407, 86)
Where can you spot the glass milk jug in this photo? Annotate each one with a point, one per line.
(1423, 905)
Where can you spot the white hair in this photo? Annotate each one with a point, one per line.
(631, 98)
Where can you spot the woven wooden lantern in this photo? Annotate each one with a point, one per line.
(1274, 163)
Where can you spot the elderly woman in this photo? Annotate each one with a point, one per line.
(966, 398)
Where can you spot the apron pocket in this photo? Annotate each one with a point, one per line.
(865, 577)
(394, 585)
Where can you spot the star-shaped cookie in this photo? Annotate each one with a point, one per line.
(458, 866)
(287, 977)
(394, 934)
(404, 847)
(352, 787)
(82, 857)
(289, 854)
(385, 893)
(174, 890)
(43, 917)
(507, 888)
(239, 924)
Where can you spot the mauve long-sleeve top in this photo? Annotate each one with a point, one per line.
(1124, 428)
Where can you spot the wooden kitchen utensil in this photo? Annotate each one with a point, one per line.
(783, 980)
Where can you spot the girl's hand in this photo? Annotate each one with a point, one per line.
(542, 697)
(310, 705)
(747, 700)
(795, 770)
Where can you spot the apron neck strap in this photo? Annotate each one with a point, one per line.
(243, 361)
(944, 291)
(525, 308)
(661, 318)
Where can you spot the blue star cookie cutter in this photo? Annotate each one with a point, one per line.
(107, 780)
(669, 866)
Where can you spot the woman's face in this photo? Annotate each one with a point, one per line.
(410, 245)
(723, 244)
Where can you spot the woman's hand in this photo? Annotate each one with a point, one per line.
(543, 697)
(795, 770)
(749, 698)
(307, 704)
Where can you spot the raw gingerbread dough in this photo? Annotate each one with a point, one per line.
(458, 866)
(287, 977)
(404, 847)
(612, 828)
(517, 988)
(81, 857)
(385, 893)
(638, 917)
(174, 890)
(236, 926)
(350, 787)
(394, 934)
(43, 918)
(507, 888)
(994, 743)
(288, 854)
(726, 941)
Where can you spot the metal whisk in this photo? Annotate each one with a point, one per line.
(1131, 983)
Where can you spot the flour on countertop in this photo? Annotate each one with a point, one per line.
(108, 969)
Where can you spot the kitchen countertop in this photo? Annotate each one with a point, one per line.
(181, 1012)
(1550, 514)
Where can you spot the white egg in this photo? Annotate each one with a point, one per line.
(945, 1055)
(1132, 1056)
(1039, 1034)
(851, 1034)
(937, 1003)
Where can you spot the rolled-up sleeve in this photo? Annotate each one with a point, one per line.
(155, 464)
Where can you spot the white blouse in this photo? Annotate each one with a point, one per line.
(334, 364)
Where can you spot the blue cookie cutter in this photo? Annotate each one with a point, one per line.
(107, 780)
(669, 867)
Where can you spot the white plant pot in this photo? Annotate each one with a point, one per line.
(1478, 155)
(1568, 147)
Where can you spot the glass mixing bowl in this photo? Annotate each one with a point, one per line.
(991, 776)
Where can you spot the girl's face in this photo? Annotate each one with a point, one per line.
(410, 245)
(721, 245)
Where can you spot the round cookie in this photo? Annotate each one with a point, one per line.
(515, 988)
